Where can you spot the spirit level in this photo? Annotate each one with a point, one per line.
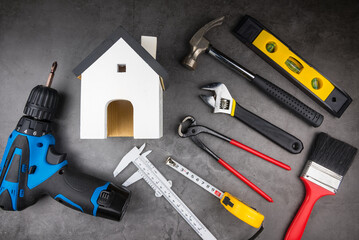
(292, 66)
(235, 206)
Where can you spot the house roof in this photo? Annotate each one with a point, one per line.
(120, 32)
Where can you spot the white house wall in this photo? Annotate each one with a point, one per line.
(101, 84)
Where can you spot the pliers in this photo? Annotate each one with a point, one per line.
(189, 128)
(222, 102)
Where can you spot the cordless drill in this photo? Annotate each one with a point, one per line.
(31, 167)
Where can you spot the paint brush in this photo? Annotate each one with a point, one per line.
(329, 161)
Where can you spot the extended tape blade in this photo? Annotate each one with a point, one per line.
(194, 177)
(161, 187)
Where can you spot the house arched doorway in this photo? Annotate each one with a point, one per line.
(120, 119)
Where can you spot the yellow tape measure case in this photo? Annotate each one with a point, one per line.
(292, 66)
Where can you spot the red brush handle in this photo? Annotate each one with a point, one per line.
(245, 180)
(259, 154)
(313, 193)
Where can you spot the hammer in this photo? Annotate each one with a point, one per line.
(200, 44)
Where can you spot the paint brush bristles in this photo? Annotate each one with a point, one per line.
(332, 154)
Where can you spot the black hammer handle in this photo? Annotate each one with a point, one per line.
(279, 95)
(289, 101)
(273, 133)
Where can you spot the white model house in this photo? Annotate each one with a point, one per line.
(121, 89)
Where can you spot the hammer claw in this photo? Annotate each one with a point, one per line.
(199, 43)
(201, 32)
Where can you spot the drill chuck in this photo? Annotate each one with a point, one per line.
(42, 103)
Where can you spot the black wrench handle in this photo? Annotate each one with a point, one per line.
(282, 97)
(288, 101)
(273, 133)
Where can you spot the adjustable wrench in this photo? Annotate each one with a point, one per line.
(222, 102)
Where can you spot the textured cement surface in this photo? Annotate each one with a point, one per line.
(35, 33)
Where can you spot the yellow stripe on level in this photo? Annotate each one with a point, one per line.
(321, 86)
(233, 107)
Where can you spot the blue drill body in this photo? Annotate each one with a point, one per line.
(38, 147)
(31, 168)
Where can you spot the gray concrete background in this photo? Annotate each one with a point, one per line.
(35, 33)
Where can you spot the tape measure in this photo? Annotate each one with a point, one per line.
(162, 187)
(235, 206)
(292, 66)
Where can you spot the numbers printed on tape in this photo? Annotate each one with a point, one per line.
(194, 178)
(160, 185)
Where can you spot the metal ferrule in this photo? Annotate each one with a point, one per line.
(322, 176)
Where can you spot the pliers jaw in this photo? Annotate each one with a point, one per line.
(189, 128)
(184, 129)
(221, 100)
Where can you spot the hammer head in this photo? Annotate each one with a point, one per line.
(199, 43)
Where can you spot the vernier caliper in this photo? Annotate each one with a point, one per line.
(161, 186)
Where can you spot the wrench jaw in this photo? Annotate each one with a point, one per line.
(209, 100)
(221, 100)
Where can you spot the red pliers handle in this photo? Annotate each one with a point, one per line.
(189, 128)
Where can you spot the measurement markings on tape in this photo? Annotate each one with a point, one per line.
(162, 187)
(232, 204)
(193, 177)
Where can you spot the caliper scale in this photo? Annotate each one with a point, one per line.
(161, 186)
